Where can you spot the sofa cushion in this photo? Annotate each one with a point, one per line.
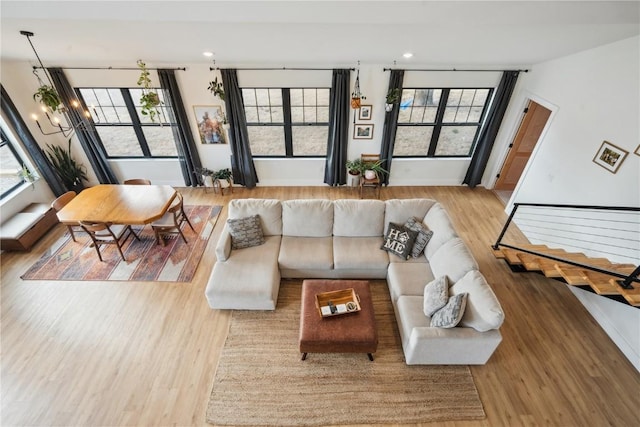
(483, 310)
(399, 210)
(436, 295)
(245, 232)
(409, 315)
(423, 237)
(450, 315)
(307, 218)
(408, 278)
(270, 211)
(439, 222)
(359, 253)
(452, 259)
(358, 218)
(306, 253)
(398, 240)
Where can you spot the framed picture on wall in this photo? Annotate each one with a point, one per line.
(610, 157)
(637, 151)
(364, 113)
(361, 131)
(210, 120)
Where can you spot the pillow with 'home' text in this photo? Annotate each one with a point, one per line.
(399, 240)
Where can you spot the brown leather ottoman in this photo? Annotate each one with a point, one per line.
(346, 333)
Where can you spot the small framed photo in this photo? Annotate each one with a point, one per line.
(364, 113)
(210, 121)
(361, 131)
(610, 157)
(637, 152)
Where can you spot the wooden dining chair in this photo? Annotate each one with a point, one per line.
(171, 222)
(61, 202)
(137, 181)
(371, 182)
(102, 233)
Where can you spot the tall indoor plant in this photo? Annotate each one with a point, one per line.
(71, 173)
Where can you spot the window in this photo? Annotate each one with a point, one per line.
(124, 132)
(440, 122)
(287, 122)
(10, 164)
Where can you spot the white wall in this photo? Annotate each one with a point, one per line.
(594, 95)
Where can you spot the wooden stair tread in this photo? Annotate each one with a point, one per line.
(631, 295)
(601, 283)
(572, 275)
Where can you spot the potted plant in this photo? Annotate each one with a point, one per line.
(149, 101)
(222, 179)
(70, 172)
(216, 88)
(48, 96)
(373, 169)
(355, 168)
(393, 96)
(26, 175)
(205, 176)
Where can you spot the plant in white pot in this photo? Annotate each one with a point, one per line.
(373, 169)
(393, 96)
(355, 168)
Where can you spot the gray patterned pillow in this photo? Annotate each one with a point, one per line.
(436, 295)
(399, 240)
(451, 314)
(245, 232)
(424, 235)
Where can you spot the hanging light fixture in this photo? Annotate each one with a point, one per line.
(51, 103)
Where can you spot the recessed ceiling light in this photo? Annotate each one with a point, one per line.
(407, 55)
(208, 54)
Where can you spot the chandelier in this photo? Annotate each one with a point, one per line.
(51, 103)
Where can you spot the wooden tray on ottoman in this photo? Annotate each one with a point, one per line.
(345, 300)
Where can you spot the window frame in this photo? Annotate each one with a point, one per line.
(6, 141)
(438, 123)
(136, 124)
(287, 124)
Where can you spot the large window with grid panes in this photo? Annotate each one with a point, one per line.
(123, 130)
(439, 122)
(287, 122)
(10, 164)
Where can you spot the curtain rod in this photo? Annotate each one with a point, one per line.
(451, 69)
(281, 68)
(112, 68)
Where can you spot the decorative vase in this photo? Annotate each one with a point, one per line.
(388, 107)
(353, 180)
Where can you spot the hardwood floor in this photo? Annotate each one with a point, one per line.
(141, 354)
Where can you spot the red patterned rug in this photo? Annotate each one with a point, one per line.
(146, 260)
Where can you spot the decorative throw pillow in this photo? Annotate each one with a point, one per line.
(451, 314)
(424, 235)
(399, 240)
(436, 295)
(245, 232)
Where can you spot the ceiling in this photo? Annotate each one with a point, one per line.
(327, 33)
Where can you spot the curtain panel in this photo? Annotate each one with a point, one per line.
(185, 144)
(390, 126)
(490, 130)
(335, 172)
(85, 130)
(244, 171)
(42, 163)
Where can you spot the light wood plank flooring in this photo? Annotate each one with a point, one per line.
(142, 354)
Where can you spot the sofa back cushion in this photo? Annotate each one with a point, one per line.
(483, 311)
(358, 218)
(400, 210)
(453, 259)
(439, 222)
(269, 210)
(307, 218)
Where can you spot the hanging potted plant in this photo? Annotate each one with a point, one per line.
(215, 87)
(356, 95)
(47, 96)
(70, 172)
(393, 96)
(149, 101)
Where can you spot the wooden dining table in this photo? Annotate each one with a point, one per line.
(119, 204)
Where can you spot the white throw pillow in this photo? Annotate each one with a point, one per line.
(436, 295)
(483, 311)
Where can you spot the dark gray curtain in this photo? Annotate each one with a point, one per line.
(490, 130)
(185, 144)
(244, 171)
(390, 126)
(45, 170)
(338, 140)
(85, 131)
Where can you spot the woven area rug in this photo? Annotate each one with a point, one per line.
(261, 380)
(146, 260)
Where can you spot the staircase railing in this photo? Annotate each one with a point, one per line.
(604, 230)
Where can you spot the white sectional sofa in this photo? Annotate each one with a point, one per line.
(342, 239)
